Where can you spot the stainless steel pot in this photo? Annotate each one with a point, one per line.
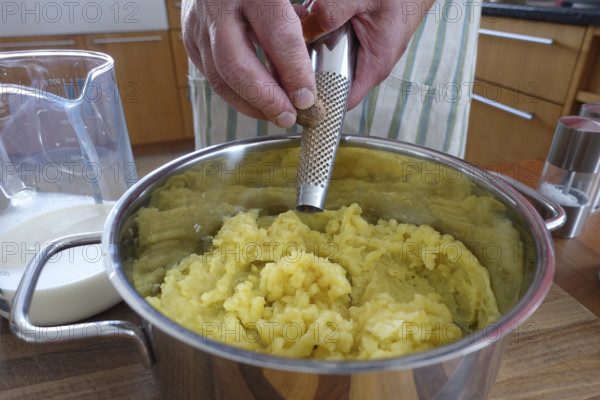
(379, 175)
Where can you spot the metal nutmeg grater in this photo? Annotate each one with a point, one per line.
(333, 58)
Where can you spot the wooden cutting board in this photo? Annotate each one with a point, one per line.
(555, 354)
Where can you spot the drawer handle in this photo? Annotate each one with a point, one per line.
(177, 4)
(133, 39)
(504, 107)
(516, 36)
(37, 44)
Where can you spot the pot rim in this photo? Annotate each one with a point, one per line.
(508, 322)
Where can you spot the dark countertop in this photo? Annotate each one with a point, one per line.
(543, 11)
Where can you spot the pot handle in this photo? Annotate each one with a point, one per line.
(28, 332)
(554, 215)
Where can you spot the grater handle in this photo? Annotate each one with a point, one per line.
(333, 58)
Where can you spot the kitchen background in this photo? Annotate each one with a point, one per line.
(547, 70)
(144, 38)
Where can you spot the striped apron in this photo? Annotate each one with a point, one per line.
(425, 100)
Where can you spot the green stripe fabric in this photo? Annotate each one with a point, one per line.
(262, 127)
(429, 83)
(450, 126)
(463, 138)
(231, 123)
(208, 100)
(402, 98)
(366, 119)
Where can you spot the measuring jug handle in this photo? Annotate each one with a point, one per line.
(25, 330)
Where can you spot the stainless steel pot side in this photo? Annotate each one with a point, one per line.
(188, 366)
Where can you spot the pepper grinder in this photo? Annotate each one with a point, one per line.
(592, 110)
(571, 172)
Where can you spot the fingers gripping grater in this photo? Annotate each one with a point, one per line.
(333, 57)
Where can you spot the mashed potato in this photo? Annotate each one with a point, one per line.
(328, 285)
(215, 249)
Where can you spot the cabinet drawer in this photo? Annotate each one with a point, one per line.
(146, 77)
(594, 76)
(538, 61)
(187, 114)
(511, 127)
(589, 88)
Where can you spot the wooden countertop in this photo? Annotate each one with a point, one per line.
(555, 354)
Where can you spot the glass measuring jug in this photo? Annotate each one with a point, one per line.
(65, 158)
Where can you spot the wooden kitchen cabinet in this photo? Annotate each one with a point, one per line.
(145, 73)
(538, 63)
(174, 13)
(181, 71)
(151, 71)
(146, 78)
(181, 59)
(187, 114)
(593, 83)
(181, 66)
(498, 136)
(586, 86)
(526, 75)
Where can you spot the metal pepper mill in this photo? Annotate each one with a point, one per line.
(592, 110)
(333, 59)
(571, 174)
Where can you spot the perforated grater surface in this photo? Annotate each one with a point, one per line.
(333, 62)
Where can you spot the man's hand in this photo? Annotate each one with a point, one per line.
(220, 38)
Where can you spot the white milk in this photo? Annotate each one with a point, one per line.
(27, 226)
